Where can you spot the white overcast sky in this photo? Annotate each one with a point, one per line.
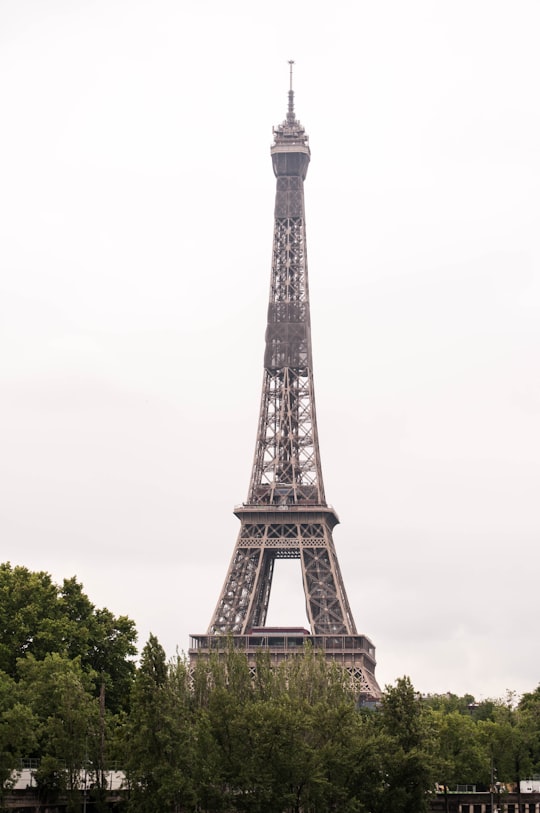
(136, 205)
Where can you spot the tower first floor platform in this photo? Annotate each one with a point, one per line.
(355, 654)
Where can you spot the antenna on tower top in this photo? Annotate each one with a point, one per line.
(290, 111)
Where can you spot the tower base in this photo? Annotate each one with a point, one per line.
(355, 654)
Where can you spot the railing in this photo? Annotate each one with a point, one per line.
(284, 642)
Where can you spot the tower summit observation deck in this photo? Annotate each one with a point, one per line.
(286, 515)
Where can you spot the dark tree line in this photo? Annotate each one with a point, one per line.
(290, 739)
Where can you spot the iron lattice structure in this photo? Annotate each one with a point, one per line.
(286, 515)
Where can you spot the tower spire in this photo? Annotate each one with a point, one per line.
(290, 111)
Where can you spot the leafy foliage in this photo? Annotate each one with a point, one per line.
(59, 694)
(39, 618)
(17, 730)
(218, 738)
(157, 735)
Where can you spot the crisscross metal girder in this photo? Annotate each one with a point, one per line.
(286, 465)
(241, 589)
(326, 599)
(363, 682)
(287, 456)
(301, 531)
(246, 592)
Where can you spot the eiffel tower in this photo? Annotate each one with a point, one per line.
(286, 515)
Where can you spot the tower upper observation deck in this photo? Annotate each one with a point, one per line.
(290, 151)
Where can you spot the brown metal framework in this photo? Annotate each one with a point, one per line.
(286, 515)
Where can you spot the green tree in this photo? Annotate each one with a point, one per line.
(28, 616)
(158, 751)
(260, 755)
(528, 722)
(461, 756)
(60, 694)
(289, 739)
(448, 703)
(507, 742)
(17, 731)
(409, 763)
(38, 617)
